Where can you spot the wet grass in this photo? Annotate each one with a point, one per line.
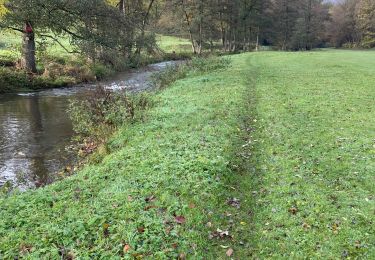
(272, 157)
(314, 155)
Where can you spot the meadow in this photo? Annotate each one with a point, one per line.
(272, 157)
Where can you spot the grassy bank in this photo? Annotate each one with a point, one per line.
(155, 193)
(270, 158)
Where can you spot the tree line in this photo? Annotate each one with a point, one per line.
(108, 29)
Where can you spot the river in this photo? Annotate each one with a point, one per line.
(36, 132)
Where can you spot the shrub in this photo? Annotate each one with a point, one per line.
(102, 111)
(100, 71)
(10, 79)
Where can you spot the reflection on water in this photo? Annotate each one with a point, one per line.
(35, 128)
(33, 133)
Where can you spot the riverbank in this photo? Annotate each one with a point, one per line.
(270, 158)
(66, 73)
(58, 68)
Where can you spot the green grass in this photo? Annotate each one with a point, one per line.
(314, 154)
(10, 44)
(171, 44)
(290, 135)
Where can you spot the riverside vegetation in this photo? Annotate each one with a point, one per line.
(58, 68)
(271, 156)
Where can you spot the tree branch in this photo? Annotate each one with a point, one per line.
(58, 42)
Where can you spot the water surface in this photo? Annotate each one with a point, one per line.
(35, 129)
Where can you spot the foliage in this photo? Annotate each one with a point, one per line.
(102, 111)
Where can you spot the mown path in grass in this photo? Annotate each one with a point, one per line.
(315, 155)
(271, 158)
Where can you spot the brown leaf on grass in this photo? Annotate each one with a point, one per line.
(180, 219)
(150, 207)
(141, 229)
(126, 248)
(192, 206)
(229, 252)
(335, 228)
(106, 229)
(25, 248)
(130, 198)
(220, 234)
(306, 226)
(234, 202)
(293, 210)
(181, 256)
(150, 199)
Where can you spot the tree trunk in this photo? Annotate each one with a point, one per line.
(121, 6)
(28, 49)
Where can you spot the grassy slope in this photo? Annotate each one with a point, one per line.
(180, 156)
(306, 190)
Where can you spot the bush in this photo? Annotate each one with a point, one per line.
(10, 79)
(103, 111)
(100, 71)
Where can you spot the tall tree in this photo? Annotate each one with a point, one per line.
(366, 22)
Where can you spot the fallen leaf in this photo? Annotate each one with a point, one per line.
(229, 252)
(150, 207)
(192, 206)
(105, 229)
(293, 210)
(234, 202)
(182, 256)
(130, 198)
(141, 229)
(126, 248)
(150, 199)
(220, 234)
(306, 226)
(180, 219)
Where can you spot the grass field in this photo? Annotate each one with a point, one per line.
(173, 44)
(273, 158)
(315, 154)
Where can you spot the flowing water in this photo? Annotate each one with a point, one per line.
(35, 129)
